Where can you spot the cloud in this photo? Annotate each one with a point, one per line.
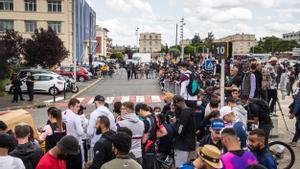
(141, 5)
(224, 15)
(277, 27)
(127, 6)
(119, 5)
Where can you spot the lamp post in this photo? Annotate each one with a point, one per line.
(181, 36)
(74, 39)
(137, 38)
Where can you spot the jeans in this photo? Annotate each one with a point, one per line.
(272, 96)
(30, 92)
(17, 92)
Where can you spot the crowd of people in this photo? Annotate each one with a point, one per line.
(191, 130)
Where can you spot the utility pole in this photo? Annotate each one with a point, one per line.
(181, 35)
(74, 39)
(176, 40)
(137, 38)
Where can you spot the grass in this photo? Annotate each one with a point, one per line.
(3, 83)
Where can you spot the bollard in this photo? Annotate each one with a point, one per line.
(54, 93)
(64, 91)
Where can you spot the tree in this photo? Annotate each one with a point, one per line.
(118, 55)
(189, 50)
(10, 50)
(208, 42)
(174, 52)
(196, 41)
(45, 49)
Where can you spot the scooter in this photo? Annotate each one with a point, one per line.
(71, 85)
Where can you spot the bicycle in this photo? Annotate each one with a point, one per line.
(283, 154)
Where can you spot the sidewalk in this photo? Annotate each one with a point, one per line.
(40, 99)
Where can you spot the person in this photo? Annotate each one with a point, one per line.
(74, 128)
(208, 158)
(234, 80)
(103, 147)
(26, 150)
(5, 130)
(16, 85)
(168, 97)
(84, 123)
(256, 166)
(283, 83)
(56, 157)
(291, 81)
(235, 158)
(117, 109)
(259, 112)
(152, 131)
(54, 130)
(190, 101)
(184, 124)
(30, 85)
(228, 115)
(165, 143)
(142, 71)
(272, 90)
(156, 110)
(235, 93)
(214, 138)
(7, 161)
(101, 110)
(256, 144)
(296, 113)
(239, 111)
(132, 121)
(213, 105)
(121, 145)
(254, 65)
(129, 69)
(248, 86)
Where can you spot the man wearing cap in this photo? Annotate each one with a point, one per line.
(214, 138)
(272, 90)
(121, 145)
(101, 110)
(7, 161)
(26, 150)
(185, 138)
(56, 157)
(190, 101)
(228, 115)
(208, 158)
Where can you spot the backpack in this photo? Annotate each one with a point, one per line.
(262, 105)
(193, 88)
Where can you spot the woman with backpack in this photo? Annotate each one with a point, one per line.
(53, 131)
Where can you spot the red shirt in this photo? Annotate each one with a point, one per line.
(48, 161)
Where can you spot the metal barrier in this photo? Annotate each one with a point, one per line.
(54, 93)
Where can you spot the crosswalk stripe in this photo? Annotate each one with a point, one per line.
(90, 101)
(109, 100)
(56, 100)
(155, 99)
(140, 99)
(80, 99)
(125, 99)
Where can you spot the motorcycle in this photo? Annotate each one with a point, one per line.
(71, 85)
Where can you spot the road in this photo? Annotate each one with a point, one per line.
(148, 90)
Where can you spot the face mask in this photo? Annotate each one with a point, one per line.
(157, 113)
(98, 131)
(199, 103)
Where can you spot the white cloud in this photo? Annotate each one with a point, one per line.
(129, 5)
(141, 5)
(120, 5)
(224, 15)
(277, 27)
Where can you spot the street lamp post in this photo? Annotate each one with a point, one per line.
(74, 38)
(181, 34)
(137, 38)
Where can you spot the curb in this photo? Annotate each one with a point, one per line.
(42, 104)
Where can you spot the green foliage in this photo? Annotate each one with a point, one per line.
(174, 51)
(118, 55)
(274, 44)
(189, 50)
(45, 49)
(3, 83)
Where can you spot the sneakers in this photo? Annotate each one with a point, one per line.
(293, 144)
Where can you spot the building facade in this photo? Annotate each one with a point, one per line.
(101, 37)
(292, 36)
(25, 16)
(241, 43)
(185, 42)
(149, 42)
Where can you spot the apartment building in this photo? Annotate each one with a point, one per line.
(150, 42)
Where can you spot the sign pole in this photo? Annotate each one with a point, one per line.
(222, 82)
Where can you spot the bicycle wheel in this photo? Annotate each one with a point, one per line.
(283, 154)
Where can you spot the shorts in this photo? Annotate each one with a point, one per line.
(181, 157)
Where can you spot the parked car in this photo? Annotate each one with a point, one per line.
(43, 83)
(23, 73)
(81, 73)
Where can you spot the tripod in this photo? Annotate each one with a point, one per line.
(280, 109)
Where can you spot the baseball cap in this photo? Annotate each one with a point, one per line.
(99, 98)
(217, 124)
(69, 144)
(122, 141)
(225, 110)
(6, 140)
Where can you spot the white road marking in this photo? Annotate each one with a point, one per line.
(80, 99)
(91, 101)
(56, 100)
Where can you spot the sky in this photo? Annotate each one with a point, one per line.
(222, 17)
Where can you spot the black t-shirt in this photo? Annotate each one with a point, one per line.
(263, 116)
(29, 81)
(150, 128)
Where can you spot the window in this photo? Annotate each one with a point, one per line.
(55, 26)
(150, 37)
(7, 5)
(54, 6)
(45, 78)
(36, 78)
(6, 24)
(30, 26)
(30, 5)
(145, 37)
(150, 43)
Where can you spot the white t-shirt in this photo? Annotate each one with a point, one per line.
(9, 162)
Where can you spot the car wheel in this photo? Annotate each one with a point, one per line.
(53, 91)
(75, 89)
(81, 79)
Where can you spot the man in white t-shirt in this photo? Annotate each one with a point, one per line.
(7, 161)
